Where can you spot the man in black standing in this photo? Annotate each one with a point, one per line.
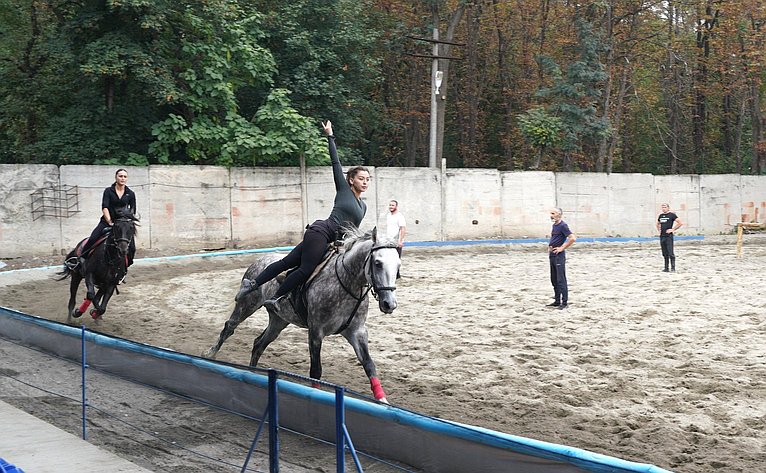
(561, 239)
(667, 224)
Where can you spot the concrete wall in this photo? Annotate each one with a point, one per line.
(419, 193)
(20, 233)
(199, 207)
(526, 198)
(682, 192)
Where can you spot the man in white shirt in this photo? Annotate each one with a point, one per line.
(396, 227)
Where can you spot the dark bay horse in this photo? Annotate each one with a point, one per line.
(336, 302)
(103, 269)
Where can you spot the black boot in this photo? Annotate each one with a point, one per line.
(274, 304)
(673, 265)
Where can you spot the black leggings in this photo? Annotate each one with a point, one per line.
(94, 236)
(666, 243)
(306, 257)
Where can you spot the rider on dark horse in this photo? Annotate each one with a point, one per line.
(118, 200)
(348, 211)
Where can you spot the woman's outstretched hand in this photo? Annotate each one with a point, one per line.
(327, 127)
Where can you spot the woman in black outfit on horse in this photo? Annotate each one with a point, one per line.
(118, 200)
(348, 210)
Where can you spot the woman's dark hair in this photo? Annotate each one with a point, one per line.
(118, 171)
(351, 174)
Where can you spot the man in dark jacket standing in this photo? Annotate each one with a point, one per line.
(561, 239)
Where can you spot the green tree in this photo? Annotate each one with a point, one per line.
(574, 96)
(137, 81)
(328, 56)
(540, 130)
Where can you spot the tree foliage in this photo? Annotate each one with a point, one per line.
(607, 85)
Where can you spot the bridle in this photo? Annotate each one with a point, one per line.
(122, 238)
(373, 284)
(376, 288)
(370, 276)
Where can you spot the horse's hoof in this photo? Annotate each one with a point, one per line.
(95, 314)
(384, 401)
(76, 313)
(210, 354)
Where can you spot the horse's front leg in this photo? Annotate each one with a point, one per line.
(359, 341)
(272, 331)
(244, 308)
(90, 287)
(101, 301)
(315, 352)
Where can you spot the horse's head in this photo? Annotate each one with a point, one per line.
(381, 268)
(123, 230)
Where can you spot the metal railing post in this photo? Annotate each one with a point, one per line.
(340, 437)
(273, 424)
(84, 397)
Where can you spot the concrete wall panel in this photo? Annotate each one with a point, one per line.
(418, 191)
(682, 193)
(20, 232)
(720, 203)
(190, 207)
(526, 199)
(473, 209)
(266, 206)
(212, 207)
(631, 205)
(584, 198)
(753, 200)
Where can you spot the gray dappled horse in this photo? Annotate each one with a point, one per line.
(103, 269)
(336, 301)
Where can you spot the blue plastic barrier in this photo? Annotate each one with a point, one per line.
(6, 467)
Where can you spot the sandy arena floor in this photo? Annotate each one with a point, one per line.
(662, 368)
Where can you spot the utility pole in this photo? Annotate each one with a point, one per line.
(437, 77)
(436, 82)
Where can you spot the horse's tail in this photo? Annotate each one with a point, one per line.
(66, 271)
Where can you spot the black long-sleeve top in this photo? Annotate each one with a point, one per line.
(116, 204)
(347, 209)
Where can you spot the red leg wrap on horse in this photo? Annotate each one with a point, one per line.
(84, 306)
(377, 389)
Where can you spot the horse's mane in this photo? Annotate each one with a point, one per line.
(355, 235)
